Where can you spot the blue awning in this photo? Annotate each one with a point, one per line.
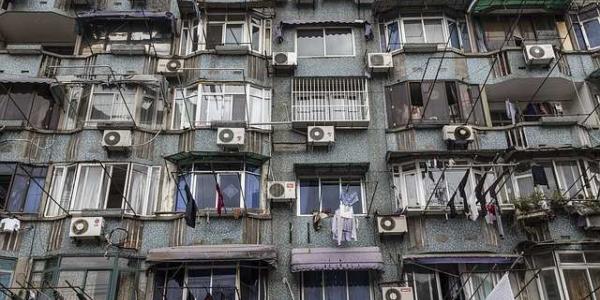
(461, 258)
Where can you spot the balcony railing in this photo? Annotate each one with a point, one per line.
(339, 101)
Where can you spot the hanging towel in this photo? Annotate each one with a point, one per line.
(368, 31)
(511, 111)
(278, 33)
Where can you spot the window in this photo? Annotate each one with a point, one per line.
(208, 103)
(229, 29)
(329, 285)
(21, 103)
(153, 35)
(446, 102)
(587, 29)
(563, 177)
(239, 184)
(7, 267)
(330, 99)
(189, 37)
(322, 194)
(495, 29)
(107, 186)
(220, 281)
(325, 42)
(92, 274)
(117, 103)
(21, 187)
(432, 30)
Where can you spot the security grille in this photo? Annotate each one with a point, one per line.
(330, 99)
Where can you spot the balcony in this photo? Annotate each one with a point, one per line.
(342, 102)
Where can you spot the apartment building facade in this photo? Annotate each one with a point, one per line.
(333, 149)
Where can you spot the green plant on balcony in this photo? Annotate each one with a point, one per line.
(537, 205)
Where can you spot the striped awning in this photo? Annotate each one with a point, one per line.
(319, 259)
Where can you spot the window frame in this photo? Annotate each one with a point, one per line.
(557, 177)
(445, 23)
(340, 180)
(324, 30)
(181, 95)
(116, 101)
(77, 177)
(581, 25)
(17, 167)
(191, 179)
(324, 288)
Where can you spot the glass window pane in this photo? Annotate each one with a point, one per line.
(454, 35)
(413, 31)
(330, 195)
(592, 257)
(34, 195)
(592, 31)
(579, 36)
(339, 42)
(223, 283)
(214, 35)
(426, 286)
(252, 192)
(464, 33)
(116, 191)
(353, 188)
(595, 276)
(309, 196)
(549, 285)
(255, 38)
(249, 283)
(231, 189)
(312, 285)
(199, 282)
(175, 285)
(570, 258)
(233, 34)
(102, 106)
(434, 31)
(358, 285)
(205, 191)
(577, 283)
(97, 285)
(75, 278)
(310, 42)
(18, 190)
(335, 285)
(393, 36)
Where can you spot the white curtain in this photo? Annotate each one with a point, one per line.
(90, 194)
(137, 188)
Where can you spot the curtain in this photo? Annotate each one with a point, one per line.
(137, 188)
(90, 192)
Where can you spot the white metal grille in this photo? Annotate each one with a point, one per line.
(330, 100)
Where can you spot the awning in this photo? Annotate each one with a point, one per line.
(183, 158)
(402, 156)
(98, 16)
(211, 253)
(355, 258)
(322, 23)
(46, 28)
(315, 169)
(54, 87)
(460, 258)
(234, 3)
(513, 6)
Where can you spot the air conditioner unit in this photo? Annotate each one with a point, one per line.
(321, 135)
(285, 60)
(397, 293)
(380, 62)
(458, 133)
(592, 222)
(116, 139)
(228, 137)
(392, 225)
(10, 225)
(281, 190)
(169, 66)
(86, 227)
(538, 54)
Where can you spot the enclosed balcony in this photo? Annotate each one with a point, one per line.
(336, 101)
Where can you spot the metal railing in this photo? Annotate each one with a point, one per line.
(329, 113)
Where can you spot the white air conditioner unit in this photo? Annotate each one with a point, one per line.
(169, 66)
(538, 54)
(458, 133)
(10, 225)
(391, 225)
(284, 60)
(86, 227)
(281, 190)
(397, 293)
(231, 137)
(321, 135)
(380, 62)
(592, 222)
(116, 139)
